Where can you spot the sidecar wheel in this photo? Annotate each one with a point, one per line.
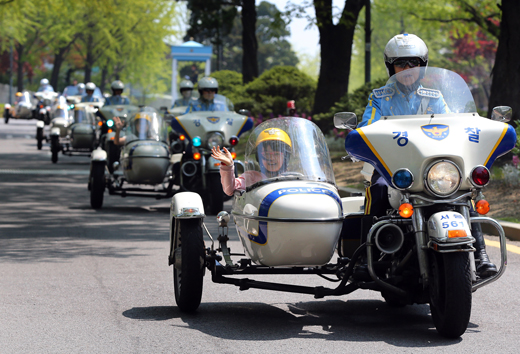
(450, 293)
(39, 138)
(97, 185)
(188, 268)
(215, 195)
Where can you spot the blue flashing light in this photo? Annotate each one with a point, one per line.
(403, 179)
(110, 123)
(196, 141)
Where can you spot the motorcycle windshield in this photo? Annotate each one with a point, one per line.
(47, 88)
(71, 91)
(83, 117)
(146, 125)
(25, 98)
(220, 104)
(425, 91)
(287, 148)
(61, 113)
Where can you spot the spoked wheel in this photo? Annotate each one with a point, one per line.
(215, 194)
(188, 267)
(97, 185)
(55, 148)
(450, 293)
(39, 138)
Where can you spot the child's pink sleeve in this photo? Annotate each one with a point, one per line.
(228, 180)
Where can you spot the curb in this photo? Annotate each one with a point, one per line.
(511, 229)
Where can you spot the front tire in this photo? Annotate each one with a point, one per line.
(55, 148)
(7, 115)
(39, 138)
(188, 267)
(97, 185)
(450, 293)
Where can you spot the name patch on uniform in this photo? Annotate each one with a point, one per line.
(383, 92)
(436, 131)
(431, 93)
(213, 120)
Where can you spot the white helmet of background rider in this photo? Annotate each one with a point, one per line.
(404, 45)
(208, 83)
(81, 88)
(90, 86)
(44, 82)
(117, 85)
(186, 85)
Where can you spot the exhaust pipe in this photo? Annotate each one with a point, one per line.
(389, 238)
(189, 169)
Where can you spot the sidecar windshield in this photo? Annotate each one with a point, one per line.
(287, 148)
(24, 98)
(425, 90)
(82, 116)
(147, 124)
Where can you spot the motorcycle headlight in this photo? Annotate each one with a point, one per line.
(215, 139)
(443, 178)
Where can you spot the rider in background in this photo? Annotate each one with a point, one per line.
(273, 153)
(45, 86)
(186, 88)
(402, 53)
(208, 87)
(116, 98)
(90, 87)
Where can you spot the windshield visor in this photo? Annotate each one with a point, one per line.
(287, 149)
(146, 125)
(425, 90)
(81, 116)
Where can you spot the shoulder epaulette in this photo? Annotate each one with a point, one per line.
(426, 92)
(383, 92)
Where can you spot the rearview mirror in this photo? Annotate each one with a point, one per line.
(502, 114)
(345, 120)
(244, 112)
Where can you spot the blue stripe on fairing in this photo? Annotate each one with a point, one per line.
(248, 124)
(179, 128)
(506, 144)
(357, 147)
(263, 211)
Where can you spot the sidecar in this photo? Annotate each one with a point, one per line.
(143, 168)
(288, 222)
(197, 132)
(22, 109)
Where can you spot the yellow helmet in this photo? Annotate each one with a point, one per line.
(275, 134)
(142, 115)
(18, 94)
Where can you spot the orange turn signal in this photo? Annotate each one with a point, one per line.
(110, 130)
(457, 233)
(100, 123)
(196, 156)
(182, 137)
(112, 138)
(482, 207)
(406, 210)
(234, 155)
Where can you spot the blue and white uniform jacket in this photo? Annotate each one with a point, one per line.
(198, 105)
(390, 101)
(116, 100)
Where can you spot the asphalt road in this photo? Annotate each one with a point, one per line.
(77, 280)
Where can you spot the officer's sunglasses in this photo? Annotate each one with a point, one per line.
(412, 63)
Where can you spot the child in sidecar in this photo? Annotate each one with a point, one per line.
(273, 153)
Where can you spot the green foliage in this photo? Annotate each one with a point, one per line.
(230, 84)
(516, 149)
(271, 91)
(351, 102)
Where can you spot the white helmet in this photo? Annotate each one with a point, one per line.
(208, 83)
(186, 85)
(404, 45)
(117, 85)
(90, 86)
(44, 82)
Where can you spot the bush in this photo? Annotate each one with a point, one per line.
(511, 175)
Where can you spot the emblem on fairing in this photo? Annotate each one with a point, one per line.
(436, 131)
(213, 120)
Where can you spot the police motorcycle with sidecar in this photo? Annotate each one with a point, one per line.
(22, 109)
(143, 168)
(46, 100)
(74, 135)
(198, 132)
(420, 252)
(62, 118)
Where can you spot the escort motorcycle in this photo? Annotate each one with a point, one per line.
(61, 120)
(144, 167)
(197, 133)
(22, 109)
(46, 100)
(420, 252)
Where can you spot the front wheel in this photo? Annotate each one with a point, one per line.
(215, 194)
(97, 185)
(55, 148)
(450, 293)
(188, 266)
(39, 138)
(7, 115)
